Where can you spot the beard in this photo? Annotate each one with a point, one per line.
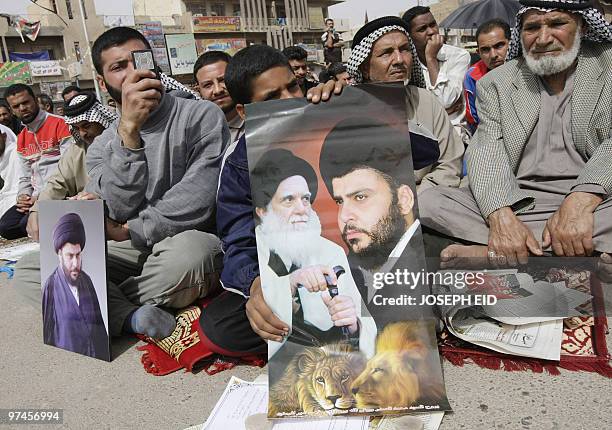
(114, 93)
(298, 245)
(383, 238)
(29, 118)
(553, 64)
(227, 106)
(70, 276)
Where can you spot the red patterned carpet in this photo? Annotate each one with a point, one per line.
(583, 347)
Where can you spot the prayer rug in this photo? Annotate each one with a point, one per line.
(583, 346)
(183, 349)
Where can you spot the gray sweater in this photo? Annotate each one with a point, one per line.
(169, 185)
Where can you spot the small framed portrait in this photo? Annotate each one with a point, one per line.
(73, 277)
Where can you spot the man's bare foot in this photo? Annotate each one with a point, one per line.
(605, 268)
(464, 257)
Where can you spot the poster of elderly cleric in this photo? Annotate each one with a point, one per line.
(73, 277)
(341, 255)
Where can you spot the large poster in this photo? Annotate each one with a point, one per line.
(216, 24)
(154, 33)
(181, 52)
(231, 46)
(341, 256)
(15, 72)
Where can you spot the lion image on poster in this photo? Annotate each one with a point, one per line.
(400, 373)
(317, 380)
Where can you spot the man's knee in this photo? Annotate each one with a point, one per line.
(184, 268)
(429, 202)
(27, 278)
(225, 328)
(192, 250)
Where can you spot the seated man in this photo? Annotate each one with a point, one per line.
(9, 169)
(539, 163)
(297, 57)
(9, 120)
(493, 39)
(383, 52)
(39, 146)
(45, 103)
(69, 92)
(236, 322)
(443, 66)
(338, 72)
(87, 119)
(157, 170)
(209, 74)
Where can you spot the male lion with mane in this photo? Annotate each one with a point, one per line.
(400, 372)
(317, 380)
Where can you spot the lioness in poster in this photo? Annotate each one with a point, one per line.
(317, 380)
(399, 374)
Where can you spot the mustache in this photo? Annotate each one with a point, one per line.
(353, 228)
(543, 50)
(221, 96)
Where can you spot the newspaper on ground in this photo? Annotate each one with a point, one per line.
(526, 320)
(242, 400)
(536, 340)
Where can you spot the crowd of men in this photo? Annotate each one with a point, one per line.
(533, 113)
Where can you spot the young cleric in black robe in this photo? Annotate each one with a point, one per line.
(71, 311)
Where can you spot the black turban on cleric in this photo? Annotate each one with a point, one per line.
(69, 229)
(365, 143)
(274, 167)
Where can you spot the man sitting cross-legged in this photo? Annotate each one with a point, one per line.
(539, 163)
(156, 169)
(209, 74)
(39, 145)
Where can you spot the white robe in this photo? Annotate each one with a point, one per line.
(277, 293)
(9, 171)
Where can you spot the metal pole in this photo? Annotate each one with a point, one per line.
(6, 54)
(93, 69)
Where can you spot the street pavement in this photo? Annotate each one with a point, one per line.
(121, 395)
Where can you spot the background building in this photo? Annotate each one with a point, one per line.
(179, 30)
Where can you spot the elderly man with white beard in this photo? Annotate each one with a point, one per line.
(299, 260)
(539, 164)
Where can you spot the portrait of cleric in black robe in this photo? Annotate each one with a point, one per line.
(72, 315)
